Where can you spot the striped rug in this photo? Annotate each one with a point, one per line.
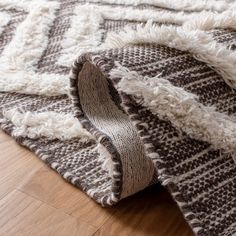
(119, 95)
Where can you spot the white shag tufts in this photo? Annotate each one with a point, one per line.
(51, 125)
(32, 83)
(29, 42)
(4, 20)
(83, 35)
(197, 42)
(180, 107)
(86, 34)
(19, 57)
(181, 5)
(211, 21)
(26, 5)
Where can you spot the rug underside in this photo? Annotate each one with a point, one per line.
(119, 95)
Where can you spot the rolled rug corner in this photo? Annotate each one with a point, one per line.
(156, 123)
(100, 111)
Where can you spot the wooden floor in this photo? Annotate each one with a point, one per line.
(34, 200)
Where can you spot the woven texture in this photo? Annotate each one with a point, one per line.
(130, 146)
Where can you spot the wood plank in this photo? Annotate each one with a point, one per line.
(16, 164)
(149, 213)
(4, 137)
(47, 186)
(23, 215)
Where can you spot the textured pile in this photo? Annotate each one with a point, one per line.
(150, 98)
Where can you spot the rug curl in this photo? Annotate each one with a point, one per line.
(149, 99)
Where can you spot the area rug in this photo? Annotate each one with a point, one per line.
(118, 95)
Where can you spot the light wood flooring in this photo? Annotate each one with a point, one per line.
(34, 200)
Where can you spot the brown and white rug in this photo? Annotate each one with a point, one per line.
(150, 98)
